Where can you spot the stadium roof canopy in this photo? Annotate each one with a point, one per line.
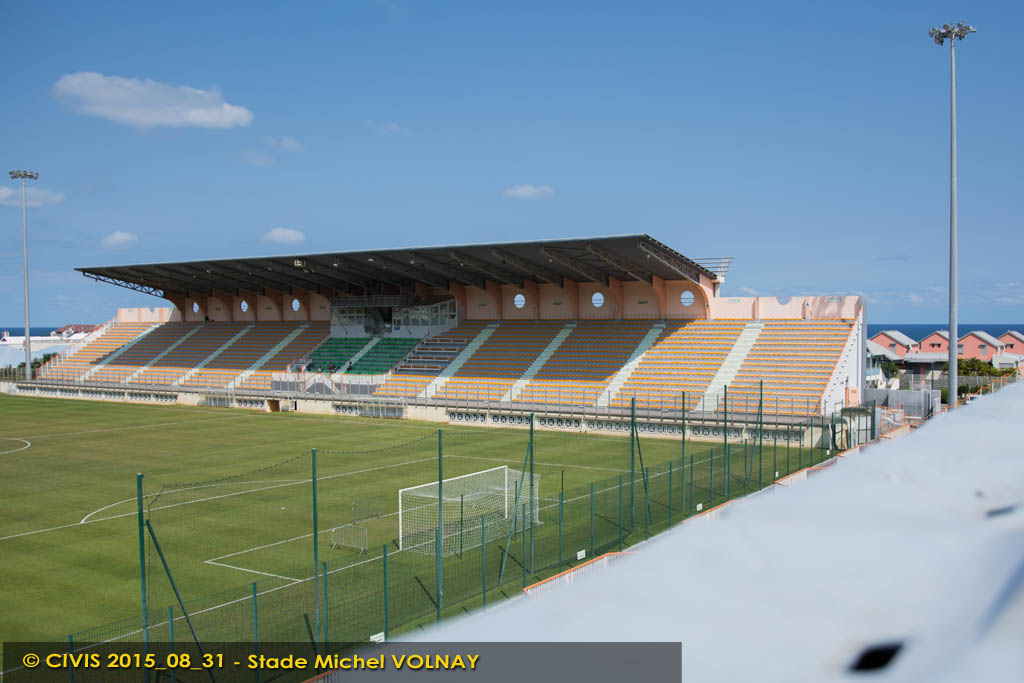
(594, 259)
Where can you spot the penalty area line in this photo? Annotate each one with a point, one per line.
(253, 571)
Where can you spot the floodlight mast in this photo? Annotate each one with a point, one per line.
(940, 35)
(23, 176)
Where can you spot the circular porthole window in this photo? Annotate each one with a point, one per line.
(519, 301)
(686, 298)
(244, 306)
(195, 307)
(597, 299)
(295, 304)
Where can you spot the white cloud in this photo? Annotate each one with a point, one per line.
(915, 298)
(396, 11)
(146, 103)
(257, 158)
(285, 143)
(118, 239)
(283, 236)
(34, 197)
(528, 191)
(386, 127)
(1009, 293)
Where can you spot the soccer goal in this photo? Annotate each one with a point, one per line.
(349, 536)
(495, 495)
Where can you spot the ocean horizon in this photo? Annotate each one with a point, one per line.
(918, 331)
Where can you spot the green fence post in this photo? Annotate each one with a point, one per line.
(71, 651)
(387, 625)
(647, 507)
(822, 439)
(669, 494)
(692, 501)
(483, 559)
(327, 632)
(439, 534)
(760, 437)
(142, 562)
(255, 616)
(177, 593)
(316, 555)
(591, 519)
(523, 563)
(682, 487)
(632, 461)
(725, 437)
(561, 498)
(775, 442)
(620, 513)
(800, 450)
(170, 638)
(533, 493)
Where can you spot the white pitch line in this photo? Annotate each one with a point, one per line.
(287, 540)
(543, 464)
(121, 429)
(253, 571)
(260, 547)
(226, 495)
(191, 488)
(28, 444)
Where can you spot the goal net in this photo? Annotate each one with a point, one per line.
(496, 496)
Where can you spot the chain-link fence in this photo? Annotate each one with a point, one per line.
(595, 492)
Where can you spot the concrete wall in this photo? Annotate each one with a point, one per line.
(144, 315)
(846, 384)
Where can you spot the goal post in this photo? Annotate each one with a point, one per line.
(492, 495)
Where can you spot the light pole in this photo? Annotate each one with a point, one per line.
(23, 176)
(940, 35)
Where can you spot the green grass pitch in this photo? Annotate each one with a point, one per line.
(241, 510)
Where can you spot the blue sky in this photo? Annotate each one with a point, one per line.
(807, 140)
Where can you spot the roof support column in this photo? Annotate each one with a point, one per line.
(615, 292)
(458, 291)
(658, 285)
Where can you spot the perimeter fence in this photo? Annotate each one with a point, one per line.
(623, 489)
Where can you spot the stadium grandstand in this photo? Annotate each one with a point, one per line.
(593, 325)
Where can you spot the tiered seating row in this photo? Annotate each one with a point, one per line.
(241, 355)
(489, 373)
(685, 358)
(583, 366)
(143, 352)
(93, 353)
(383, 356)
(333, 355)
(298, 347)
(176, 364)
(794, 359)
(428, 360)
